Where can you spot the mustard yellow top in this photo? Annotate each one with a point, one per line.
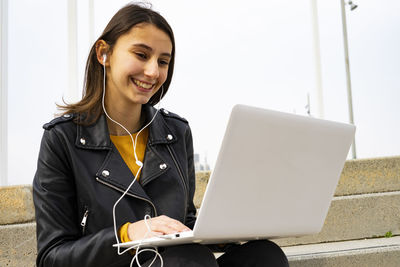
(124, 145)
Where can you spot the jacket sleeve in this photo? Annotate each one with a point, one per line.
(59, 237)
(191, 209)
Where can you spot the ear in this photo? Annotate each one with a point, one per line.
(102, 49)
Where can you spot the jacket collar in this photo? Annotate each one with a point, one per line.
(96, 136)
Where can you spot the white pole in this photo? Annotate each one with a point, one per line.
(91, 22)
(3, 93)
(317, 60)
(72, 94)
(348, 78)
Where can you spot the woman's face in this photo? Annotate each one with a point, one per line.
(138, 65)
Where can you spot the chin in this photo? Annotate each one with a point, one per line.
(141, 100)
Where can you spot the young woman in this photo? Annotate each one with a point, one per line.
(112, 138)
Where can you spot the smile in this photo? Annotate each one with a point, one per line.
(141, 84)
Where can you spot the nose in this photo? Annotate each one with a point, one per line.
(151, 69)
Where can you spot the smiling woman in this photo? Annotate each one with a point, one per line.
(112, 161)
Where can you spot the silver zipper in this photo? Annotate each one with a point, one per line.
(84, 219)
(129, 194)
(183, 181)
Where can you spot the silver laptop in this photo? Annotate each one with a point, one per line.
(275, 176)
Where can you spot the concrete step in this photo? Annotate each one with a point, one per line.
(18, 248)
(360, 176)
(349, 217)
(363, 176)
(18, 244)
(367, 204)
(356, 217)
(16, 204)
(382, 252)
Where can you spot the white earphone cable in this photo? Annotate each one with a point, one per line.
(140, 164)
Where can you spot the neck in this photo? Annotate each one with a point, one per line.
(130, 118)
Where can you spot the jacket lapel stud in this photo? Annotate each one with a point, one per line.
(105, 173)
(163, 166)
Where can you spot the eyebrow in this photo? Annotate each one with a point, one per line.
(150, 49)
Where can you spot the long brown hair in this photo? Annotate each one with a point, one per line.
(90, 105)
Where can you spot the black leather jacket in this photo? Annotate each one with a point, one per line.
(80, 175)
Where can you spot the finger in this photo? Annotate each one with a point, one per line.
(168, 225)
(175, 225)
(165, 226)
(155, 233)
(138, 230)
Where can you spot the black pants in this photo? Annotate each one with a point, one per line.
(251, 254)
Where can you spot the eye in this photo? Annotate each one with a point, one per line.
(141, 55)
(164, 62)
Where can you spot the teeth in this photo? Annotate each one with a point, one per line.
(142, 84)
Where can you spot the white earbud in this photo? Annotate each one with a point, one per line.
(104, 58)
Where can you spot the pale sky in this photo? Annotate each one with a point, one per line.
(228, 52)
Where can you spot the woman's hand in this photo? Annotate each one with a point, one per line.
(161, 225)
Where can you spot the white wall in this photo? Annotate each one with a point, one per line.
(37, 72)
(3, 91)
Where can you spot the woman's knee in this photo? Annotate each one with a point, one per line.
(254, 253)
(191, 255)
(267, 251)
